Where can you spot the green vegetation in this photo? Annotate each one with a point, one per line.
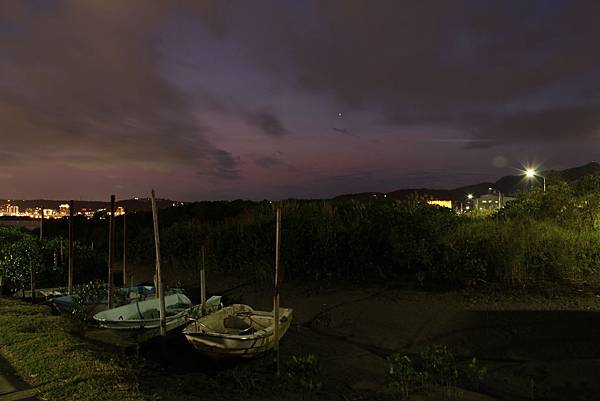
(541, 236)
(63, 367)
(304, 373)
(434, 367)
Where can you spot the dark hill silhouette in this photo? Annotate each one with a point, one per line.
(507, 185)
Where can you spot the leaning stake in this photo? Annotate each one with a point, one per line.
(203, 285)
(126, 281)
(71, 249)
(111, 250)
(277, 282)
(161, 293)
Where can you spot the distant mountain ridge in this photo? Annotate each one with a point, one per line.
(507, 185)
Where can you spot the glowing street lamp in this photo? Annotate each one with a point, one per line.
(531, 173)
(470, 197)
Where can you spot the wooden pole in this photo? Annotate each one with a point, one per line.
(32, 266)
(161, 292)
(41, 223)
(111, 250)
(126, 282)
(203, 285)
(71, 250)
(277, 283)
(32, 283)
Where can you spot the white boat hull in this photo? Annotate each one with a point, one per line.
(210, 340)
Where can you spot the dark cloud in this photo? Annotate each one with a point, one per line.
(343, 131)
(225, 165)
(266, 122)
(421, 63)
(273, 161)
(82, 82)
(184, 86)
(267, 161)
(554, 124)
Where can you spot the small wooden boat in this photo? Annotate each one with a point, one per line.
(236, 330)
(146, 314)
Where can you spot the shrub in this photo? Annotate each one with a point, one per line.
(304, 372)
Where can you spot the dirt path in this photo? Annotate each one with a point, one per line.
(12, 388)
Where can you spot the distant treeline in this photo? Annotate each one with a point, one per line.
(552, 235)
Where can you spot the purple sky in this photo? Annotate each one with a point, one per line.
(242, 99)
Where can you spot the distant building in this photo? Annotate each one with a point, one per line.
(490, 201)
(442, 203)
(88, 213)
(63, 209)
(50, 213)
(12, 210)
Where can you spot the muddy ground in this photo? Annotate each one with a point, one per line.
(537, 344)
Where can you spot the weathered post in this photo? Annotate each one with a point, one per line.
(41, 222)
(33, 295)
(160, 289)
(277, 283)
(32, 282)
(126, 282)
(111, 250)
(203, 285)
(71, 250)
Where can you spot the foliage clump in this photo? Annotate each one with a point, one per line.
(435, 366)
(304, 372)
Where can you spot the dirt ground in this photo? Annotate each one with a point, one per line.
(536, 344)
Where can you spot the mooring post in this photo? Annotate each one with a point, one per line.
(277, 283)
(126, 282)
(32, 282)
(203, 285)
(160, 289)
(41, 223)
(33, 295)
(111, 250)
(71, 249)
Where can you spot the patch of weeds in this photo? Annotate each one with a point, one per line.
(473, 373)
(402, 375)
(244, 378)
(439, 366)
(304, 372)
(435, 366)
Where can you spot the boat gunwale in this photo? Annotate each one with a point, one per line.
(266, 332)
(133, 321)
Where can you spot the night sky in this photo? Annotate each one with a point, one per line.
(273, 99)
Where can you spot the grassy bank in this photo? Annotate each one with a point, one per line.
(49, 356)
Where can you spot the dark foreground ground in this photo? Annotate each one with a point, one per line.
(539, 344)
(535, 345)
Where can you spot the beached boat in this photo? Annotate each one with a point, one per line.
(236, 330)
(146, 314)
(65, 304)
